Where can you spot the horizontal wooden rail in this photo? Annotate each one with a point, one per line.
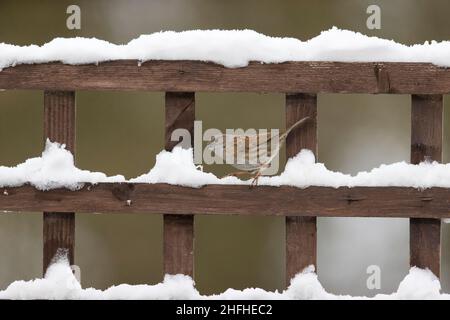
(229, 199)
(196, 76)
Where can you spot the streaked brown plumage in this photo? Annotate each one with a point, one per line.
(257, 157)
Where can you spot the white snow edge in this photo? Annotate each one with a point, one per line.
(177, 167)
(60, 283)
(55, 169)
(230, 48)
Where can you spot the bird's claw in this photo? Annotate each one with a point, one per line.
(255, 180)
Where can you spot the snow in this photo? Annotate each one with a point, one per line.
(54, 169)
(177, 167)
(302, 171)
(231, 48)
(60, 283)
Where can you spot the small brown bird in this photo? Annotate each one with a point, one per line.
(250, 154)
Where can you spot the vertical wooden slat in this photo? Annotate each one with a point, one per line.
(301, 232)
(178, 237)
(426, 144)
(59, 126)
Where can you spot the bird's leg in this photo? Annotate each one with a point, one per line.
(258, 173)
(255, 179)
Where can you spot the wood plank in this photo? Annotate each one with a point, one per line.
(59, 126)
(425, 244)
(179, 244)
(59, 236)
(426, 144)
(59, 117)
(180, 114)
(179, 229)
(196, 76)
(301, 232)
(387, 202)
(299, 106)
(426, 128)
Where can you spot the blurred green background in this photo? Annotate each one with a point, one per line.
(122, 132)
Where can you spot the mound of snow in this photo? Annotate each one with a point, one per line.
(60, 283)
(54, 169)
(177, 167)
(231, 48)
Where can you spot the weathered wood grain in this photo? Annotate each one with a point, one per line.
(178, 247)
(196, 76)
(59, 126)
(301, 232)
(59, 118)
(180, 114)
(425, 244)
(426, 144)
(178, 244)
(388, 202)
(426, 128)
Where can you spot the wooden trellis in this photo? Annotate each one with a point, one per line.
(301, 82)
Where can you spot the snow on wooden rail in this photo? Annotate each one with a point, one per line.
(197, 76)
(161, 198)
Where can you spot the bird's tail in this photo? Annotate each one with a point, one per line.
(296, 125)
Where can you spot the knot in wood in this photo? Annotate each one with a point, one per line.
(123, 191)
